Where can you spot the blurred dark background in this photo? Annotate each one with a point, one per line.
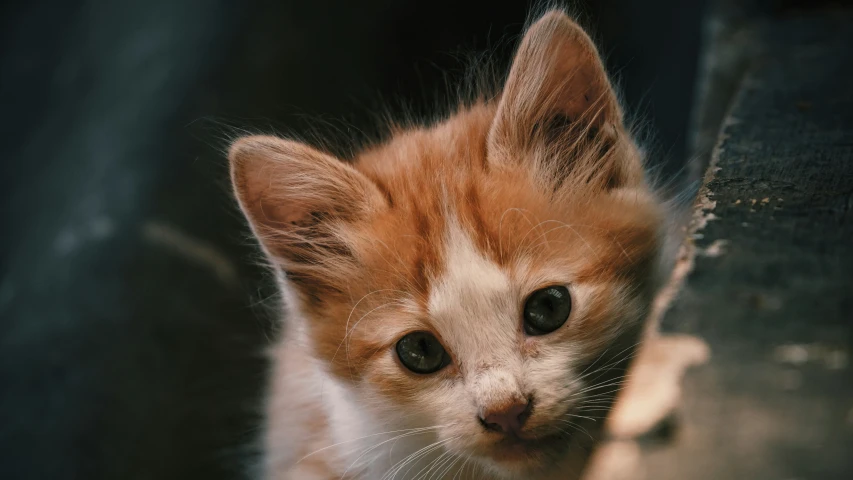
(133, 311)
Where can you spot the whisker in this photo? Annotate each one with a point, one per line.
(354, 307)
(348, 335)
(435, 447)
(367, 436)
(370, 449)
(412, 457)
(461, 468)
(449, 467)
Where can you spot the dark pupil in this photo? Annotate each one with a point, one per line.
(546, 310)
(421, 352)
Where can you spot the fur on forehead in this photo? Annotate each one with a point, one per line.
(384, 263)
(541, 179)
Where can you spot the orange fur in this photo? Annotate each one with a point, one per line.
(447, 228)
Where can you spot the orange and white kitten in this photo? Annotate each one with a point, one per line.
(461, 300)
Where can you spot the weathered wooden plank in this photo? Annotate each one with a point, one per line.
(772, 286)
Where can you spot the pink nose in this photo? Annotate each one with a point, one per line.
(507, 419)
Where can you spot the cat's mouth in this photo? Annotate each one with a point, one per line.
(526, 451)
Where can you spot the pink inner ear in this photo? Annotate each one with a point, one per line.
(280, 182)
(556, 71)
(289, 191)
(258, 184)
(578, 75)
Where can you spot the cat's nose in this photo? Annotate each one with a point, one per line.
(508, 418)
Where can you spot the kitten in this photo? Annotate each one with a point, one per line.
(461, 300)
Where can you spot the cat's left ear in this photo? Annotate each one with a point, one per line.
(558, 97)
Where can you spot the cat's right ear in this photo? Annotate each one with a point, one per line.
(297, 201)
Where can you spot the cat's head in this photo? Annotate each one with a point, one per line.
(485, 275)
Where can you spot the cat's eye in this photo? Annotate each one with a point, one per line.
(547, 310)
(421, 352)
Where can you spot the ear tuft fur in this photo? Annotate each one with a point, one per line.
(559, 111)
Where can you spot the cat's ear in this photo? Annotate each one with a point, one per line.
(298, 200)
(557, 100)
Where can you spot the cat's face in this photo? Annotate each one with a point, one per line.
(486, 309)
(484, 277)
